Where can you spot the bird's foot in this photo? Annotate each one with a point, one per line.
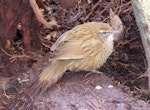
(93, 71)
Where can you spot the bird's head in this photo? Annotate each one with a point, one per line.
(107, 34)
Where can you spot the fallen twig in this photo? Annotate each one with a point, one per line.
(40, 17)
(14, 57)
(45, 45)
(92, 10)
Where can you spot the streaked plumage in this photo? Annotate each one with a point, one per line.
(85, 47)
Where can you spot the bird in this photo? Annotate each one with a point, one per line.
(86, 47)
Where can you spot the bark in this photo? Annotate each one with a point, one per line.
(13, 12)
(141, 10)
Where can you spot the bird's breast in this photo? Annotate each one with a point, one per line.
(90, 63)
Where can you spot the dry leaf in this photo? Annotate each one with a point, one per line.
(19, 26)
(89, 1)
(52, 34)
(68, 3)
(8, 44)
(117, 24)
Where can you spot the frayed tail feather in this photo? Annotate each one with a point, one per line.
(48, 77)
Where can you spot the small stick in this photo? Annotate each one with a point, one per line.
(14, 57)
(92, 10)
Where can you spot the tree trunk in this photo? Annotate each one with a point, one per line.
(141, 10)
(28, 14)
(13, 12)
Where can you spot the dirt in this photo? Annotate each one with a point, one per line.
(120, 87)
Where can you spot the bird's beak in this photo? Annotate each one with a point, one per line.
(115, 31)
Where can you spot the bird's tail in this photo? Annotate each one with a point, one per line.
(48, 77)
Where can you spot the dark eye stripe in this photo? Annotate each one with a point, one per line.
(106, 33)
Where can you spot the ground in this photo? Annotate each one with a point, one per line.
(120, 87)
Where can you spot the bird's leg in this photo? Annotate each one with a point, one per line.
(93, 71)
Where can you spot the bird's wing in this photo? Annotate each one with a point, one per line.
(77, 49)
(60, 40)
(77, 44)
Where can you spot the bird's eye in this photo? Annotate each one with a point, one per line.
(104, 33)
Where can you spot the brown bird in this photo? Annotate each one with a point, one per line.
(85, 47)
